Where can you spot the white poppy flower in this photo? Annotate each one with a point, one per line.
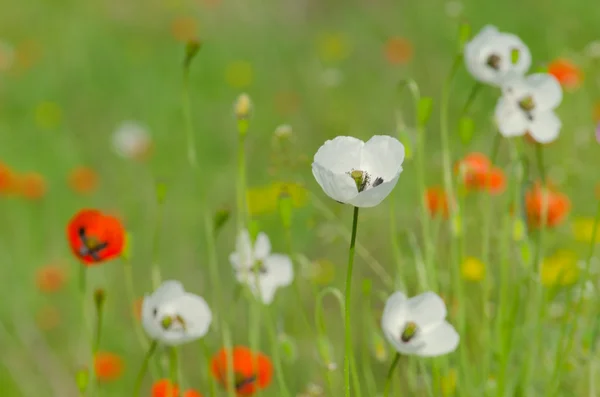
(491, 55)
(418, 326)
(131, 140)
(359, 173)
(258, 268)
(527, 106)
(173, 317)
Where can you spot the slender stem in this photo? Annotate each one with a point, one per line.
(87, 332)
(156, 277)
(347, 303)
(578, 305)
(495, 147)
(471, 99)
(187, 115)
(213, 267)
(242, 210)
(285, 392)
(143, 369)
(207, 357)
(388, 380)
(539, 155)
(128, 275)
(174, 366)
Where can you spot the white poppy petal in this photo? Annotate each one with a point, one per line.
(545, 127)
(340, 187)
(280, 270)
(149, 322)
(427, 310)
(440, 340)
(394, 314)
(195, 312)
(340, 155)
(374, 196)
(511, 43)
(243, 248)
(382, 156)
(510, 120)
(168, 290)
(546, 91)
(262, 246)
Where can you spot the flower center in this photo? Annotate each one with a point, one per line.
(170, 322)
(527, 105)
(242, 380)
(363, 180)
(91, 245)
(409, 332)
(493, 61)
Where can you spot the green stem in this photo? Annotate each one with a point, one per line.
(276, 356)
(347, 302)
(578, 305)
(471, 99)
(174, 366)
(156, 277)
(213, 267)
(388, 380)
(242, 212)
(143, 369)
(128, 275)
(86, 329)
(539, 155)
(187, 115)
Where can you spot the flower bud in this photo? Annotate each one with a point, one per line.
(243, 107)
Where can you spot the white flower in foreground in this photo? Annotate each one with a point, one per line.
(359, 173)
(258, 268)
(131, 140)
(418, 325)
(491, 55)
(173, 317)
(527, 106)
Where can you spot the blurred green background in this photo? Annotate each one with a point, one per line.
(326, 68)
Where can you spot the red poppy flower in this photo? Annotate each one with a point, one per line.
(436, 201)
(477, 173)
(164, 388)
(557, 207)
(567, 73)
(108, 366)
(252, 371)
(95, 237)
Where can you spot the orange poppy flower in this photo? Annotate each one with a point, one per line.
(165, 388)
(32, 185)
(50, 278)
(95, 237)
(83, 180)
(558, 205)
(478, 174)
(567, 74)
(8, 181)
(398, 51)
(252, 371)
(437, 202)
(108, 366)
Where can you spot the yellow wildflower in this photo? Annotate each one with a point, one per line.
(583, 229)
(265, 199)
(472, 269)
(560, 269)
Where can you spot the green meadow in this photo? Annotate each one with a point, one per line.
(71, 72)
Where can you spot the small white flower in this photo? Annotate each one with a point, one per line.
(592, 50)
(359, 173)
(454, 9)
(258, 268)
(131, 140)
(418, 326)
(491, 55)
(173, 317)
(283, 131)
(527, 106)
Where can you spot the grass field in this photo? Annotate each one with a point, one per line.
(71, 72)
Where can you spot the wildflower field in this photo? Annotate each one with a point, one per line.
(299, 198)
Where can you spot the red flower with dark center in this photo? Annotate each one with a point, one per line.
(477, 173)
(252, 371)
(95, 237)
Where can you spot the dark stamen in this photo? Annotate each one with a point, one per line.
(378, 181)
(493, 61)
(409, 332)
(244, 382)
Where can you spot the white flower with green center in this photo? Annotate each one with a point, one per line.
(527, 107)
(173, 316)
(418, 325)
(131, 140)
(491, 55)
(262, 271)
(359, 173)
